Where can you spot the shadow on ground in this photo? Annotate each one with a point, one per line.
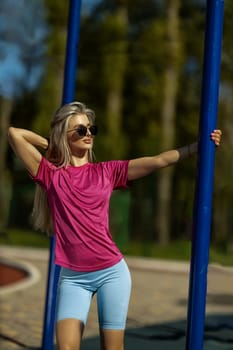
(166, 336)
(171, 336)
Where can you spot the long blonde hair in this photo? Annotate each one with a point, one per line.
(59, 154)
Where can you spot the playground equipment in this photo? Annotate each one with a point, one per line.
(68, 96)
(205, 171)
(205, 175)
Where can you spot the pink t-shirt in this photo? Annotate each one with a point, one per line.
(79, 202)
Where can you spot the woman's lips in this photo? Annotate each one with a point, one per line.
(88, 141)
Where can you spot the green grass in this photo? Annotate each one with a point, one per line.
(221, 258)
(25, 238)
(179, 250)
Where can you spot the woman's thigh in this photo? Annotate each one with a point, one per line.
(113, 298)
(73, 297)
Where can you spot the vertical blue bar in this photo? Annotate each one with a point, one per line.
(68, 96)
(49, 315)
(71, 51)
(205, 176)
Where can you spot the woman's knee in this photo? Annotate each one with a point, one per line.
(69, 334)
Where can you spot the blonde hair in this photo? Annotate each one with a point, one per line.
(59, 154)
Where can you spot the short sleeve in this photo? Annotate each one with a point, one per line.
(45, 174)
(118, 173)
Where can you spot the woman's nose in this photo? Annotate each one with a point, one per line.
(88, 132)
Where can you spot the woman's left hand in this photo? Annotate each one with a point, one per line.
(216, 136)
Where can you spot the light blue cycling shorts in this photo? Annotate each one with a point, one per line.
(112, 287)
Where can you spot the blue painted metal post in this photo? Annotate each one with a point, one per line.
(205, 175)
(68, 96)
(71, 62)
(49, 315)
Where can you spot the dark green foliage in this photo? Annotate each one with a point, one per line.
(126, 59)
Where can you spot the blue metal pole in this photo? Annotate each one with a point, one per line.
(72, 51)
(68, 96)
(49, 315)
(205, 175)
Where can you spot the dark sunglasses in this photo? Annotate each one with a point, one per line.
(82, 130)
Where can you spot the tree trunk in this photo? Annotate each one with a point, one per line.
(5, 182)
(163, 219)
(223, 189)
(116, 73)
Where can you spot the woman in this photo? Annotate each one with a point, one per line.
(72, 200)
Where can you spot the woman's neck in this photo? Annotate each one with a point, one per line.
(78, 161)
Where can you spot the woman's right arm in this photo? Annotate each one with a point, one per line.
(24, 143)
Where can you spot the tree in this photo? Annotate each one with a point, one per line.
(50, 91)
(113, 76)
(168, 114)
(223, 189)
(101, 73)
(23, 31)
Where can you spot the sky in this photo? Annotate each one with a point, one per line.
(89, 3)
(22, 33)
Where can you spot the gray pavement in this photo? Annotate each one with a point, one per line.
(157, 311)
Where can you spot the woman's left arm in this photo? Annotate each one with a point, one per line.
(146, 165)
